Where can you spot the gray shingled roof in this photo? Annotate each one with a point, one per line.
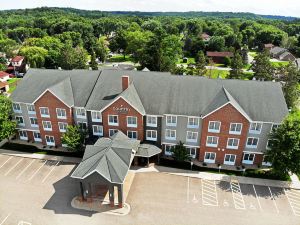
(147, 150)
(277, 50)
(109, 157)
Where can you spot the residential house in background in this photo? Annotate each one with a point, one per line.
(268, 46)
(205, 37)
(4, 76)
(4, 87)
(17, 66)
(219, 57)
(282, 54)
(219, 121)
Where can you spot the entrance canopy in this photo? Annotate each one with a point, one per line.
(147, 150)
(109, 157)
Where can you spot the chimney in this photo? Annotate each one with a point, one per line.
(125, 82)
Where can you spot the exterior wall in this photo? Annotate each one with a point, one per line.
(158, 130)
(50, 101)
(90, 124)
(263, 138)
(26, 119)
(226, 115)
(76, 119)
(122, 118)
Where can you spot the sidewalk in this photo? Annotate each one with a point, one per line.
(294, 184)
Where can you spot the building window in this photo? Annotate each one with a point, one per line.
(131, 121)
(171, 121)
(252, 142)
(61, 113)
(113, 120)
(170, 134)
(169, 149)
(34, 122)
(16, 108)
(80, 113)
(265, 161)
(235, 128)
(47, 125)
(37, 136)
(20, 120)
(112, 132)
(44, 112)
(50, 140)
(248, 158)
(191, 136)
(31, 109)
(97, 130)
(233, 143)
(151, 135)
(210, 157)
(274, 127)
(132, 134)
(255, 128)
(212, 141)
(151, 121)
(214, 126)
(82, 125)
(193, 122)
(192, 152)
(229, 159)
(62, 127)
(23, 135)
(96, 116)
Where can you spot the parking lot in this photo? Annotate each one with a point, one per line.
(38, 192)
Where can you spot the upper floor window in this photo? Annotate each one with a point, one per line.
(80, 113)
(62, 127)
(193, 122)
(97, 130)
(170, 134)
(132, 134)
(131, 121)
(82, 125)
(96, 116)
(16, 107)
(191, 136)
(255, 128)
(274, 127)
(47, 125)
(20, 120)
(61, 113)
(44, 112)
(33, 122)
(151, 135)
(214, 126)
(235, 128)
(113, 120)
(233, 143)
(171, 121)
(151, 121)
(31, 109)
(252, 142)
(212, 141)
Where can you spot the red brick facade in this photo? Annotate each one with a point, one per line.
(52, 102)
(226, 115)
(123, 110)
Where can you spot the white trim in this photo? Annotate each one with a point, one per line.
(54, 95)
(132, 125)
(46, 129)
(257, 153)
(44, 115)
(125, 101)
(213, 130)
(113, 124)
(171, 124)
(37, 139)
(167, 143)
(151, 124)
(96, 120)
(31, 112)
(22, 137)
(60, 130)
(97, 134)
(33, 125)
(212, 145)
(235, 132)
(50, 143)
(191, 146)
(254, 131)
(191, 140)
(170, 138)
(193, 126)
(80, 116)
(251, 146)
(21, 128)
(210, 160)
(150, 138)
(232, 147)
(249, 162)
(61, 117)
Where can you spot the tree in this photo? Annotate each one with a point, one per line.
(94, 64)
(73, 138)
(216, 43)
(35, 56)
(180, 153)
(73, 58)
(119, 43)
(101, 48)
(262, 66)
(7, 126)
(284, 152)
(200, 64)
(236, 66)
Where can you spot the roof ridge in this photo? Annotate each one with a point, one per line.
(87, 100)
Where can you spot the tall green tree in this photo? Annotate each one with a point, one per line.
(35, 56)
(284, 152)
(73, 58)
(7, 126)
(200, 69)
(180, 153)
(216, 43)
(262, 66)
(236, 66)
(94, 64)
(73, 138)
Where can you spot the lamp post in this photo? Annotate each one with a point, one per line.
(219, 168)
(192, 165)
(244, 170)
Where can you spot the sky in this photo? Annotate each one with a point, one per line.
(265, 7)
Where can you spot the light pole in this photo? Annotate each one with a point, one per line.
(219, 168)
(192, 165)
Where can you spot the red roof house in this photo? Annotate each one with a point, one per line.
(4, 76)
(205, 37)
(218, 57)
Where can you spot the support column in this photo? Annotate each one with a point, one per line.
(147, 161)
(135, 161)
(120, 195)
(111, 195)
(82, 191)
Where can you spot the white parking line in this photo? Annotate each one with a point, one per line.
(5, 219)
(5, 163)
(273, 200)
(257, 198)
(237, 195)
(50, 171)
(37, 170)
(294, 201)
(188, 191)
(209, 193)
(25, 169)
(13, 167)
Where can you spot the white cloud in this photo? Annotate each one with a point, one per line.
(273, 7)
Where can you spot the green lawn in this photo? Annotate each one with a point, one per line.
(13, 84)
(190, 61)
(279, 64)
(253, 54)
(120, 58)
(214, 74)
